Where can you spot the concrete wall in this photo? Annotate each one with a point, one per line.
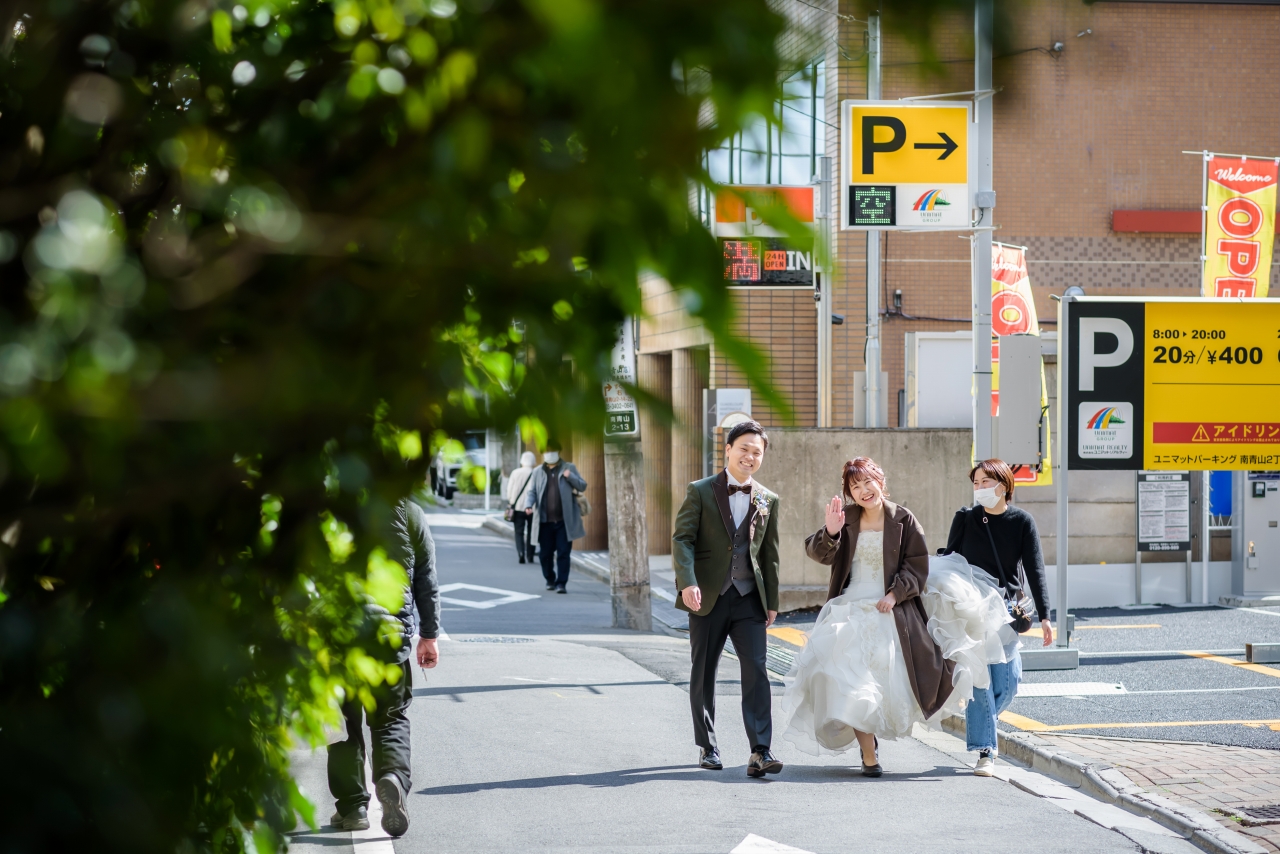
(927, 472)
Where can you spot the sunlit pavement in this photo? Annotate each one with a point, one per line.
(544, 730)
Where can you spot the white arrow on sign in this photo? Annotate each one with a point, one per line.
(505, 597)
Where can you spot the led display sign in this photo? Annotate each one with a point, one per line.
(766, 261)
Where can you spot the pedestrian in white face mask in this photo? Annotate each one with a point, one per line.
(551, 503)
(997, 537)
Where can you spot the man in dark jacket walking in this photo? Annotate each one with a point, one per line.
(409, 542)
(559, 521)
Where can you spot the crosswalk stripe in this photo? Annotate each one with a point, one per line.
(759, 845)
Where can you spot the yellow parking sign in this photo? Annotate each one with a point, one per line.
(905, 165)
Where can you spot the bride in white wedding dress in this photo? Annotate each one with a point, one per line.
(903, 638)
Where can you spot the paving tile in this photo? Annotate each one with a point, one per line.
(1203, 776)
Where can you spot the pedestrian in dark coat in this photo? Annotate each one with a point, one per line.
(409, 542)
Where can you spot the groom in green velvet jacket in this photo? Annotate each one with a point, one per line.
(725, 555)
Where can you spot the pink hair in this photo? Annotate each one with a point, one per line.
(863, 468)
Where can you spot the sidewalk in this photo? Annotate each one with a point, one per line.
(563, 745)
(1226, 782)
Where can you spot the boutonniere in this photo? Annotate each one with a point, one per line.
(762, 503)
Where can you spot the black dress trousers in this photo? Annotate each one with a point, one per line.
(741, 618)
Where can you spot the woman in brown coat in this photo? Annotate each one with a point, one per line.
(873, 665)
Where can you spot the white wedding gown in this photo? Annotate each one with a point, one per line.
(851, 674)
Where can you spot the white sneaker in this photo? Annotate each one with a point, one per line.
(986, 765)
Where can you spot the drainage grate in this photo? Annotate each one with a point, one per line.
(1269, 812)
(493, 639)
(776, 659)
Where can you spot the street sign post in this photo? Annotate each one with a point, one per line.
(907, 166)
(1165, 384)
(1168, 384)
(1164, 520)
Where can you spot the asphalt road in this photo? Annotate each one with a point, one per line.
(544, 730)
(1145, 651)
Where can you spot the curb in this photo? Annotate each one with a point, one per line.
(586, 567)
(1108, 783)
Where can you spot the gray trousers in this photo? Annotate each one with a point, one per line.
(741, 618)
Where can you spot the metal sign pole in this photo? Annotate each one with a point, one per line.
(821, 272)
(1061, 465)
(983, 446)
(1204, 213)
(1204, 538)
(874, 416)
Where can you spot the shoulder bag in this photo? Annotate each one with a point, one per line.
(1017, 603)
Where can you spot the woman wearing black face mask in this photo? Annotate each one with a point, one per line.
(997, 537)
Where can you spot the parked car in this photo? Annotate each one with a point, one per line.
(445, 468)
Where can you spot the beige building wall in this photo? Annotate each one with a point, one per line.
(927, 472)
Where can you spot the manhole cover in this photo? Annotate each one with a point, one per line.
(493, 639)
(1269, 812)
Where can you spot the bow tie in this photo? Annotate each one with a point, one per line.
(733, 487)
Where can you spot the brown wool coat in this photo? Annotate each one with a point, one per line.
(906, 568)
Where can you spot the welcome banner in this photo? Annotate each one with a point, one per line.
(1239, 227)
(1013, 312)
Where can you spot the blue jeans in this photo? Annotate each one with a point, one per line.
(987, 704)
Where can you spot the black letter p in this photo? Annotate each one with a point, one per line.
(869, 145)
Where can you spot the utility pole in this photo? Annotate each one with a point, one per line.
(983, 107)
(624, 492)
(875, 417)
(822, 280)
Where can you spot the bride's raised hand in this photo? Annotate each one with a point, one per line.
(835, 516)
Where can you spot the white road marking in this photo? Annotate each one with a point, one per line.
(454, 520)
(1260, 611)
(663, 593)
(1069, 689)
(539, 681)
(1210, 690)
(759, 845)
(471, 540)
(504, 597)
(374, 840)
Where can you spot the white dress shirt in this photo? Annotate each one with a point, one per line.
(739, 502)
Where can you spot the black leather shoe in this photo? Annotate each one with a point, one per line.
(561, 589)
(763, 762)
(522, 558)
(551, 587)
(711, 760)
(872, 770)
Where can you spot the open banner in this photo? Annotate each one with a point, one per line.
(1239, 227)
(1013, 312)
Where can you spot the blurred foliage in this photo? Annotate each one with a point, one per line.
(471, 480)
(254, 253)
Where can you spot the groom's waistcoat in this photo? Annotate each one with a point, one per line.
(741, 575)
(707, 547)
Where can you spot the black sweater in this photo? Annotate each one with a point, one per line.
(1016, 538)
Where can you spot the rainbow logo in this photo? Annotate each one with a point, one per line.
(1103, 419)
(929, 200)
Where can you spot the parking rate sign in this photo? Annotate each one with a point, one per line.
(1168, 384)
(905, 165)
